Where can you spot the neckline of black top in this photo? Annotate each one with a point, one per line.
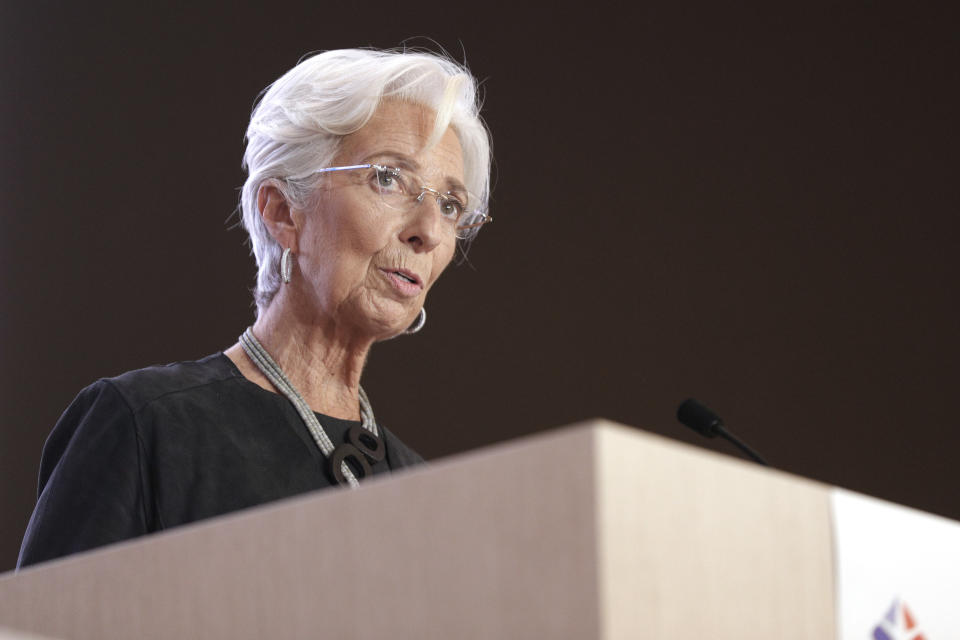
(341, 424)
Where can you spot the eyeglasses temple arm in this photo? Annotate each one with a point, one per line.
(351, 167)
(485, 220)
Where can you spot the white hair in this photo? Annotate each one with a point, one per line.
(299, 120)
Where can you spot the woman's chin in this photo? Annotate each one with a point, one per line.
(385, 330)
(393, 332)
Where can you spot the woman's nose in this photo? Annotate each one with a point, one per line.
(424, 226)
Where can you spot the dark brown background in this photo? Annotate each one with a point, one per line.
(755, 207)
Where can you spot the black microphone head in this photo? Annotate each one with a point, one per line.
(699, 418)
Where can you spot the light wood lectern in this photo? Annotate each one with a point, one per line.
(592, 531)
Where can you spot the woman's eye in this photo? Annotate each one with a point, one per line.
(387, 179)
(452, 208)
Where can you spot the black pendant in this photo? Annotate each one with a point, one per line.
(350, 454)
(368, 442)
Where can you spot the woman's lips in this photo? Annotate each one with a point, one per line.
(404, 282)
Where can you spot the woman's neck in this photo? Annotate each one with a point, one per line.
(322, 363)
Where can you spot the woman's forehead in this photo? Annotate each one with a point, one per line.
(400, 131)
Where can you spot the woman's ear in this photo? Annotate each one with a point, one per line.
(277, 214)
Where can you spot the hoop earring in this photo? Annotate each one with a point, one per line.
(286, 266)
(418, 323)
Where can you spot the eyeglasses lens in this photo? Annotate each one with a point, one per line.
(402, 190)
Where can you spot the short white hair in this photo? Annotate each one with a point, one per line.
(299, 120)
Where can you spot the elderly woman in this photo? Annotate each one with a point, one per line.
(365, 170)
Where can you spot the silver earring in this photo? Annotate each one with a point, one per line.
(286, 266)
(420, 321)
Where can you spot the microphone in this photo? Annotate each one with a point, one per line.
(707, 423)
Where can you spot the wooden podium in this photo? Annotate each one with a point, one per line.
(591, 531)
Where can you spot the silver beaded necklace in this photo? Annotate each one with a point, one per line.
(278, 378)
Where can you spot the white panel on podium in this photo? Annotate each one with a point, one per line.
(898, 571)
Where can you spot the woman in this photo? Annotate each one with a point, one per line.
(365, 170)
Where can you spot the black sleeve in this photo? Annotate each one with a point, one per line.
(91, 491)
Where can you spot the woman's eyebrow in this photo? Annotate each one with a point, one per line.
(457, 186)
(401, 159)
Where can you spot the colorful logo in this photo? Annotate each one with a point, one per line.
(898, 624)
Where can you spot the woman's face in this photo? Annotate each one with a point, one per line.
(357, 256)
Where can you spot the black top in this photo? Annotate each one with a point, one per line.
(164, 446)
